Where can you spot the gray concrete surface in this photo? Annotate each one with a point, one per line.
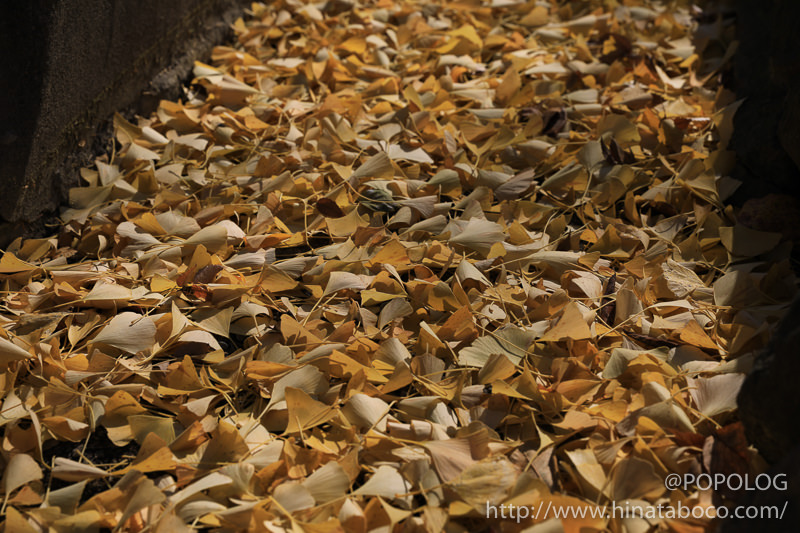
(66, 66)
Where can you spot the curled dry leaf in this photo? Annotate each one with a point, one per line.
(21, 469)
(130, 332)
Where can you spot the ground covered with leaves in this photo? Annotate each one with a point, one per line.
(388, 262)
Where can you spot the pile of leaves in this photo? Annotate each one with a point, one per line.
(388, 262)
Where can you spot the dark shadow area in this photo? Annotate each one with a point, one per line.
(767, 144)
(766, 73)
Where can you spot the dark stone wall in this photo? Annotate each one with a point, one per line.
(66, 66)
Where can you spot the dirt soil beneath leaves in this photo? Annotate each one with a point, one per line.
(389, 264)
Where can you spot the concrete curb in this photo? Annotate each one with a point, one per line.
(66, 66)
